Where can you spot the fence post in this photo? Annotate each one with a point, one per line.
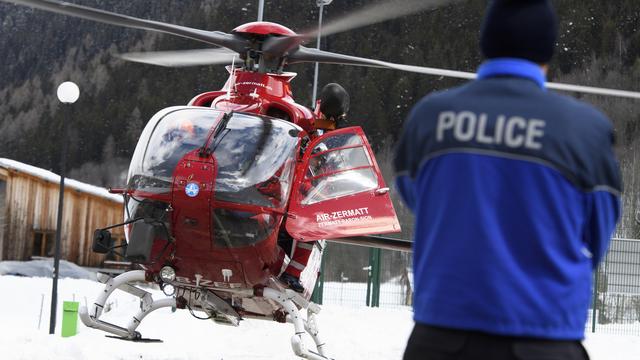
(316, 297)
(369, 276)
(595, 301)
(375, 291)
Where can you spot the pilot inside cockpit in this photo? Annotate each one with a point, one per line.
(302, 250)
(173, 140)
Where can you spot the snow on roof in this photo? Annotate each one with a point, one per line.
(53, 178)
(44, 268)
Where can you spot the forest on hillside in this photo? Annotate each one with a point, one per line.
(599, 45)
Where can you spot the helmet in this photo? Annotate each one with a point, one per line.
(334, 101)
(320, 148)
(316, 162)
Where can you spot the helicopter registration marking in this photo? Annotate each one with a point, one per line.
(205, 283)
(185, 280)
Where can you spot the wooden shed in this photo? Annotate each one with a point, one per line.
(29, 208)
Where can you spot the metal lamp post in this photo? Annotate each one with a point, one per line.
(68, 93)
(260, 10)
(321, 4)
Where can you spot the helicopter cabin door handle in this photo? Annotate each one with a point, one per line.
(382, 191)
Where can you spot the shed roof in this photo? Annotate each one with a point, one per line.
(54, 178)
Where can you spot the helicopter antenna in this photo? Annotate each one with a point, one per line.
(235, 89)
(233, 77)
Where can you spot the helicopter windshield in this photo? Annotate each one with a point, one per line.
(255, 158)
(167, 138)
(254, 155)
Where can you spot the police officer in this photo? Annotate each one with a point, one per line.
(515, 190)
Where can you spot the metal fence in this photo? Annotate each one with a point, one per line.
(616, 293)
(359, 276)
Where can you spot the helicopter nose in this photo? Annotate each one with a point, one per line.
(192, 184)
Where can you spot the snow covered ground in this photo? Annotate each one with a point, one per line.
(351, 332)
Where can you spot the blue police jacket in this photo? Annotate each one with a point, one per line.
(515, 192)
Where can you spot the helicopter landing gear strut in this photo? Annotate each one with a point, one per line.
(288, 300)
(147, 304)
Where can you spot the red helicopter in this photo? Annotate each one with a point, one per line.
(214, 185)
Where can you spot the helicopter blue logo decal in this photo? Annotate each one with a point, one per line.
(192, 189)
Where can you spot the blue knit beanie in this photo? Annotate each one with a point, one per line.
(525, 29)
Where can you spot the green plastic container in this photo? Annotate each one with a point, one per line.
(70, 318)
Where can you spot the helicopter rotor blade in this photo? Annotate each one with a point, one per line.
(377, 13)
(304, 54)
(369, 15)
(593, 90)
(217, 38)
(183, 58)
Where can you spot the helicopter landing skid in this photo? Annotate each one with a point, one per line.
(147, 304)
(288, 299)
(141, 340)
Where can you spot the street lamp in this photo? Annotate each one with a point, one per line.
(321, 4)
(68, 93)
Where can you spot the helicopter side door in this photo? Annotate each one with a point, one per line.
(339, 190)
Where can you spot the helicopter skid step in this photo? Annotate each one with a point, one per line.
(224, 313)
(288, 300)
(91, 318)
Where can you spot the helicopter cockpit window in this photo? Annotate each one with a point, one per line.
(172, 137)
(340, 184)
(340, 141)
(339, 166)
(233, 228)
(324, 163)
(255, 157)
